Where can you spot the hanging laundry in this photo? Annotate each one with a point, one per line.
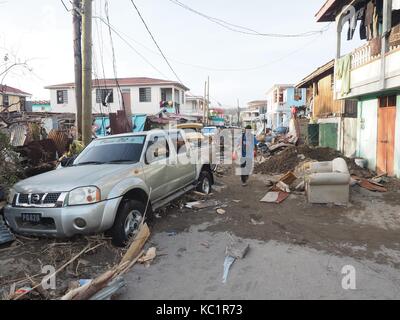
(368, 21)
(343, 68)
(376, 45)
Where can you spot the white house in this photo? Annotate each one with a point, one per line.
(281, 98)
(194, 107)
(254, 113)
(142, 95)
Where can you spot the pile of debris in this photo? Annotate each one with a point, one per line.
(82, 268)
(291, 157)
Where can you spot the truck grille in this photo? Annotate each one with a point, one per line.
(37, 199)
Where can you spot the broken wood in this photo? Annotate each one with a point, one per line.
(137, 244)
(57, 271)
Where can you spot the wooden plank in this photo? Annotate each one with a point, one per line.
(137, 244)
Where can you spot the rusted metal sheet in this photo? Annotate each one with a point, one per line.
(61, 141)
(119, 123)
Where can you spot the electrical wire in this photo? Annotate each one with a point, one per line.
(253, 68)
(130, 45)
(155, 42)
(120, 97)
(245, 30)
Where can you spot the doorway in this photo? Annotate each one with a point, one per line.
(386, 135)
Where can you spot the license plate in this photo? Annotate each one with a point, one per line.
(31, 217)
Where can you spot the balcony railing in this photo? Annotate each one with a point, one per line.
(362, 56)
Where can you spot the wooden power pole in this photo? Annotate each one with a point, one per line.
(87, 72)
(77, 29)
(205, 104)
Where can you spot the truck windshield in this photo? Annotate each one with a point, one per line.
(112, 150)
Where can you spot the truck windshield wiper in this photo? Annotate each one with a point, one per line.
(120, 161)
(88, 163)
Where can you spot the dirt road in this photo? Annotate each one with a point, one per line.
(297, 250)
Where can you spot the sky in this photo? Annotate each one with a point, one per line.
(240, 66)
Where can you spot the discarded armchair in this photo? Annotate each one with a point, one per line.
(328, 182)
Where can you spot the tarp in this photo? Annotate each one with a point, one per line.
(102, 123)
(139, 121)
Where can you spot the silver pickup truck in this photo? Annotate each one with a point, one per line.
(109, 186)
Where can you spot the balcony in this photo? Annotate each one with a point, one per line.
(371, 73)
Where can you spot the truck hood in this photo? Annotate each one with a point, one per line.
(67, 179)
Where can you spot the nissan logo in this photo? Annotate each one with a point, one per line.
(35, 198)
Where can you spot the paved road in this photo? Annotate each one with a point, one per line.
(188, 270)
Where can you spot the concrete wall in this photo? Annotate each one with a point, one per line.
(367, 127)
(397, 141)
(349, 137)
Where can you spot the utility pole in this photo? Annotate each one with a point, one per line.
(77, 36)
(238, 112)
(208, 98)
(87, 72)
(205, 104)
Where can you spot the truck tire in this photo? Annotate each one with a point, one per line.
(205, 182)
(126, 225)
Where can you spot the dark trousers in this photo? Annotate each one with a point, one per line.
(244, 178)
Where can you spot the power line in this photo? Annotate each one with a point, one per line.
(245, 30)
(130, 45)
(155, 42)
(253, 68)
(113, 56)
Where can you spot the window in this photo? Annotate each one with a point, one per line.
(6, 101)
(62, 96)
(113, 150)
(298, 94)
(144, 94)
(178, 141)
(157, 149)
(387, 101)
(104, 96)
(351, 108)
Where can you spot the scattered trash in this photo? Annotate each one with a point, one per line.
(257, 223)
(202, 204)
(221, 211)
(237, 248)
(370, 185)
(23, 291)
(275, 197)
(6, 235)
(149, 256)
(283, 187)
(237, 201)
(111, 290)
(289, 178)
(300, 186)
(227, 266)
(205, 244)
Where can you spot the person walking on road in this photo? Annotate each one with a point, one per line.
(249, 147)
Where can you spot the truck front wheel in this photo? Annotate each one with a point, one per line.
(127, 222)
(205, 182)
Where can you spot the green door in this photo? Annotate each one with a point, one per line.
(328, 135)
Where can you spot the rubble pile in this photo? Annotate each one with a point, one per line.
(291, 157)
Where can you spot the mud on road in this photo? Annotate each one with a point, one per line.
(367, 229)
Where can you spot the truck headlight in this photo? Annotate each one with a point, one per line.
(10, 196)
(84, 195)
